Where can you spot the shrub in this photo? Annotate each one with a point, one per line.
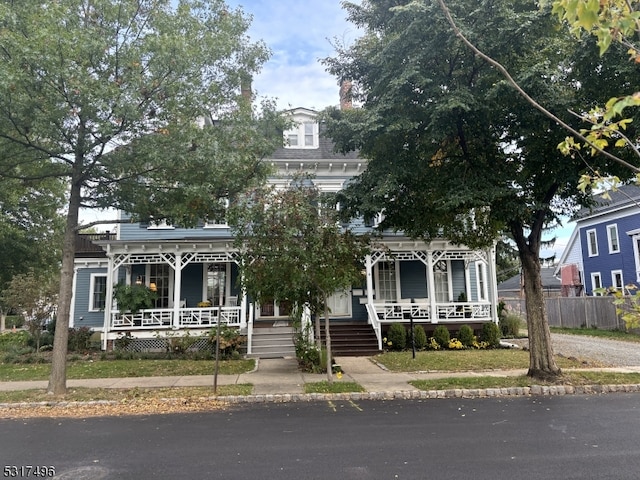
(465, 335)
(419, 337)
(10, 340)
(455, 344)
(14, 321)
(397, 336)
(490, 334)
(79, 339)
(510, 325)
(442, 336)
(230, 340)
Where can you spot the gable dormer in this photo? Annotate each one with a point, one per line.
(304, 134)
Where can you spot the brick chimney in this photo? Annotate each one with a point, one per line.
(346, 94)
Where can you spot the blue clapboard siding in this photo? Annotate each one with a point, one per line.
(82, 317)
(606, 262)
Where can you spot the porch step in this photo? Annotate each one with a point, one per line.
(272, 342)
(352, 339)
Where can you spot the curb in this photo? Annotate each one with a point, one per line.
(534, 390)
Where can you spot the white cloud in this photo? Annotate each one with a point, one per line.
(299, 35)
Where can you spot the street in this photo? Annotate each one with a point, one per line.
(568, 437)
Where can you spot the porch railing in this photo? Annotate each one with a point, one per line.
(163, 318)
(460, 312)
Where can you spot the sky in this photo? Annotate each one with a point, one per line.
(299, 35)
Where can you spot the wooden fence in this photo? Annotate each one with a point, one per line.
(575, 312)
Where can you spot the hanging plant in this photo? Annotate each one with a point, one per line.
(133, 298)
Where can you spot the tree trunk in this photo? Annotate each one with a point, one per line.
(541, 362)
(327, 336)
(58, 377)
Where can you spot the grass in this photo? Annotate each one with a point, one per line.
(596, 332)
(465, 360)
(568, 378)
(334, 387)
(82, 369)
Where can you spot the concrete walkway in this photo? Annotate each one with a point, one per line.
(281, 376)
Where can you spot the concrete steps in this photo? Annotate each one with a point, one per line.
(272, 342)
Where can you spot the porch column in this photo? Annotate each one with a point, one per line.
(108, 301)
(243, 303)
(431, 285)
(369, 268)
(467, 281)
(177, 288)
(493, 282)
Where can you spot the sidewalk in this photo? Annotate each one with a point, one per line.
(280, 376)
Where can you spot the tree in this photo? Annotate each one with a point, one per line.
(294, 250)
(30, 227)
(35, 296)
(452, 152)
(111, 97)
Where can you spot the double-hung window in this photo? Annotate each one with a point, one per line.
(596, 283)
(592, 243)
(98, 293)
(612, 237)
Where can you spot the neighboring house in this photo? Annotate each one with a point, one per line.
(514, 286)
(195, 271)
(604, 248)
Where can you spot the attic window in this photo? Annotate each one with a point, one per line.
(303, 135)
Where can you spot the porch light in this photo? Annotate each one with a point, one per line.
(139, 280)
(152, 287)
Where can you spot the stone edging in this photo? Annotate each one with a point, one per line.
(535, 390)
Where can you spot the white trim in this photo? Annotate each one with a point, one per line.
(614, 284)
(589, 245)
(595, 275)
(481, 271)
(635, 242)
(92, 286)
(227, 280)
(376, 270)
(613, 227)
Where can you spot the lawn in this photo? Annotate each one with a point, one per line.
(597, 332)
(81, 369)
(466, 360)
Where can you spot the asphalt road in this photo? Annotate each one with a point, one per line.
(568, 437)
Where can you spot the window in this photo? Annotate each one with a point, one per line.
(616, 279)
(612, 237)
(98, 293)
(275, 309)
(441, 281)
(303, 135)
(592, 243)
(482, 282)
(308, 135)
(596, 283)
(219, 220)
(163, 225)
(159, 274)
(339, 304)
(217, 276)
(386, 281)
(636, 253)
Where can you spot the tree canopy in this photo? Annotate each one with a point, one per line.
(452, 150)
(295, 250)
(112, 96)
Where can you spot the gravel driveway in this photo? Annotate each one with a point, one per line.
(612, 353)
